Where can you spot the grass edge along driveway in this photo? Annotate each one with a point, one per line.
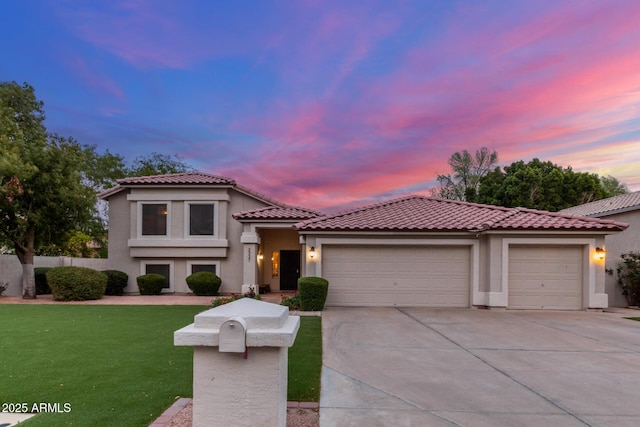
(115, 365)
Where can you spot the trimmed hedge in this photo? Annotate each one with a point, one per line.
(150, 284)
(116, 282)
(42, 287)
(204, 283)
(76, 283)
(313, 293)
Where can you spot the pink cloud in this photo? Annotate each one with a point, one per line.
(554, 84)
(97, 79)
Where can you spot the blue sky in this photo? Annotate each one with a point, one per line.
(334, 103)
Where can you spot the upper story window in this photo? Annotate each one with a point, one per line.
(201, 219)
(154, 219)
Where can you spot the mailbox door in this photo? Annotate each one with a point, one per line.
(232, 336)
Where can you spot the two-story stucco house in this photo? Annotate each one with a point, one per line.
(176, 225)
(411, 251)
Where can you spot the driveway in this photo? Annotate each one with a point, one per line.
(466, 367)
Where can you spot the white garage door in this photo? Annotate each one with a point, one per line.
(545, 277)
(429, 276)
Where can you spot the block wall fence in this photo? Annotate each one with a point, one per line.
(11, 269)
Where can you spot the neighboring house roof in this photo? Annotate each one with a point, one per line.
(186, 179)
(419, 213)
(612, 205)
(276, 213)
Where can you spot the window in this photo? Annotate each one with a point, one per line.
(201, 219)
(196, 268)
(203, 265)
(154, 219)
(163, 269)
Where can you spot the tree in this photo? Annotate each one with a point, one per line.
(158, 164)
(613, 187)
(539, 185)
(467, 171)
(43, 192)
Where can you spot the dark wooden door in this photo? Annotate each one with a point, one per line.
(289, 270)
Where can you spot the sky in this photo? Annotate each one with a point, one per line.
(326, 104)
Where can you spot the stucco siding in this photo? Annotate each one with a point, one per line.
(130, 252)
(616, 245)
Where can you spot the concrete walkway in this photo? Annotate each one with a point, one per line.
(465, 367)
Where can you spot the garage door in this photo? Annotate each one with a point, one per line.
(431, 276)
(545, 277)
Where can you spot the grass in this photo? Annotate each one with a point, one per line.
(112, 365)
(305, 361)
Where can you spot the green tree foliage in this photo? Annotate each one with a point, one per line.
(44, 196)
(613, 187)
(158, 164)
(467, 170)
(539, 185)
(48, 184)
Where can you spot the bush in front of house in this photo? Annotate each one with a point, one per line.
(204, 283)
(42, 287)
(76, 283)
(292, 301)
(116, 282)
(313, 293)
(629, 277)
(150, 284)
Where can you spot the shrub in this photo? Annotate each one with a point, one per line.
(313, 293)
(116, 282)
(150, 284)
(204, 283)
(292, 301)
(42, 287)
(226, 300)
(76, 283)
(629, 277)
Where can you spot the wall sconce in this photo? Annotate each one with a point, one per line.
(600, 252)
(260, 256)
(312, 252)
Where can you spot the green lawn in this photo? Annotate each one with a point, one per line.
(112, 365)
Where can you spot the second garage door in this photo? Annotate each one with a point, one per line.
(545, 277)
(428, 276)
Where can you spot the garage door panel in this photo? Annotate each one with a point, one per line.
(397, 275)
(545, 277)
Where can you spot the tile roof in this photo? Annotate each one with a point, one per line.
(178, 178)
(276, 213)
(188, 178)
(419, 213)
(612, 205)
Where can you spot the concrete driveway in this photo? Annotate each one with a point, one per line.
(466, 367)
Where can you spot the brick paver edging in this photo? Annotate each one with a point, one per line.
(164, 419)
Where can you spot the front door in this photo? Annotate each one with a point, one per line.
(289, 270)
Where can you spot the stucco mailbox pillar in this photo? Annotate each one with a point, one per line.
(240, 360)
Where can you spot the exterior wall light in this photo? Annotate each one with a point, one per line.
(260, 256)
(312, 252)
(600, 252)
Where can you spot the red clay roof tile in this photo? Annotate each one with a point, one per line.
(276, 213)
(419, 213)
